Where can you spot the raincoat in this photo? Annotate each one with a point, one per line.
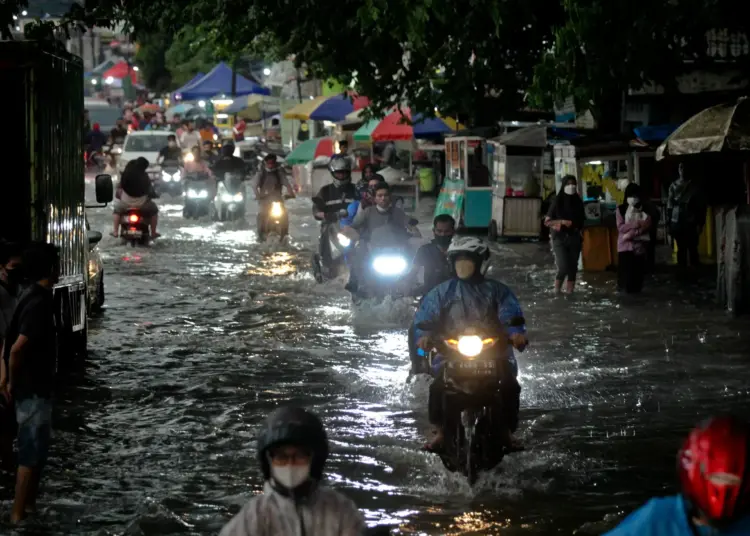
(323, 512)
(667, 516)
(463, 304)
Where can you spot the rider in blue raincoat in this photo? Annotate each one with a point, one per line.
(715, 499)
(465, 301)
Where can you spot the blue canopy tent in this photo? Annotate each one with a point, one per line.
(177, 93)
(219, 82)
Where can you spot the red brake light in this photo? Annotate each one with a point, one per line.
(134, 218)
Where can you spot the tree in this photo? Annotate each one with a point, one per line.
(470, 58)
(606, 47)
(191, 52)
(151, 60)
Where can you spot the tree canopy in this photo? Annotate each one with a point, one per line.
(480, 60)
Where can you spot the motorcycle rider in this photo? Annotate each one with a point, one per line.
(292, 452)
(268, 184)
(465, 300)
(136, 191)
(95, 140)
(366, 198)
(432, 258)
(715, 498)
(189, 137)
(228, 163)
(209, 154)
(117, 134)
(382, 214)
(171, 153)
(331, 201)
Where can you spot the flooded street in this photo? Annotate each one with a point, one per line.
(207, 331)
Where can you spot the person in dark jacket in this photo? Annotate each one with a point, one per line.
(565, 219)
(331, 202)
(136, 191)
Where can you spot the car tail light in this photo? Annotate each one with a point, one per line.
(134, 218)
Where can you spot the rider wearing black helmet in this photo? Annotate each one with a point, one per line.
(292, 451)
(331, 202)
(271, 179)
(228, 163)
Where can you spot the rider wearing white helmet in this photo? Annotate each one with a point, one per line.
(466, 300)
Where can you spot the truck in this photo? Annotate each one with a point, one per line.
(43, 184)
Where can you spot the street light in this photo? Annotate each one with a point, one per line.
(24, 13)
(93, 81)
(135, 68)
(267, 72)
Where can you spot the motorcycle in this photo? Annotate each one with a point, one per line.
(336, 245)
(134, 228)
(95, 160)
(273, 218)
(229, 203)
(170, 180)
(197, 196)
(476, 437)
(384, 274)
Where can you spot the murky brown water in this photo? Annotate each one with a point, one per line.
(207, 331)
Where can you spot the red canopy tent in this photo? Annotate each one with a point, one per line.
(120, 70)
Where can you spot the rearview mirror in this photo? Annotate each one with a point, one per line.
(104, 188)
(94, 238)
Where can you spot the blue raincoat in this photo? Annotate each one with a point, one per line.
(464, 304)
(351, 212)
(667, 516)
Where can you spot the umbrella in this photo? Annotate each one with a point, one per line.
(149, 107)
(181, 108)
(725, 127)
(252, 107)
(119, 71)
(310, 150)
(333, 108)
(394, 127)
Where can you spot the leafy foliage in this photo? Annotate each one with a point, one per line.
(151, 58)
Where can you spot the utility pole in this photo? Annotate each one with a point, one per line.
(234, 76)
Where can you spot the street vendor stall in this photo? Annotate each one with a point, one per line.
(465, 165)
(520, 160)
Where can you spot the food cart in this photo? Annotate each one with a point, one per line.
(462, 165)
(521, 161)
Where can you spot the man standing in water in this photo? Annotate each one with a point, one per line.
(31, 356)
(292, 452)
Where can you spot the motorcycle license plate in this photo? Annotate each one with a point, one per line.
(476, 368)
(135, 234)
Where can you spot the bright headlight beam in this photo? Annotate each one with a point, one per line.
(276, 210)
(470, 345)
(344, 240)
(389, 265)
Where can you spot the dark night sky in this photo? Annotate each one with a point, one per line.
(38, 8)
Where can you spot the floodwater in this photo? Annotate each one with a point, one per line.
(207, 331)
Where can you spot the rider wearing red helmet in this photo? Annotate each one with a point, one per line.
(713, 468)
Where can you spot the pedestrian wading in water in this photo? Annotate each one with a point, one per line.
(632, 225)
(565, 220)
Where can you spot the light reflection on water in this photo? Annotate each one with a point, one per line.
(207, 332)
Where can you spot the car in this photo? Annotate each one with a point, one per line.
(100, 111)
(95, 271)
(145, 143)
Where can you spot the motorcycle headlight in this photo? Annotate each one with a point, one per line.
(390, 265)
(192, 194)
(276, 210)
(344, 240)
(189, 157)
(117, 150)
(470, 345)
(166, 177)
(227, 198)
(177, 176)
(237, 198)
(203, 194)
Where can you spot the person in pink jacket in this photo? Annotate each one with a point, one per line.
(632, 225)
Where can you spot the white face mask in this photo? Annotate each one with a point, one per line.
(622, 184)
(570, 189)
(632, 201)
(381, 209)
(290, 476)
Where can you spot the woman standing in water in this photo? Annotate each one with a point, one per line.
(632, 226)
(565, 220)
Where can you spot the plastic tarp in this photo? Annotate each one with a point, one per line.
(191, 82)
(657, 133)
(219, 82)
(733, 259)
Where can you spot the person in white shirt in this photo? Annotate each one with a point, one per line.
(190, 137)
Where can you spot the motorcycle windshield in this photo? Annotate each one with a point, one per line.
(388, 237)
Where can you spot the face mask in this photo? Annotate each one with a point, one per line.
(443, 241)
(570, 189)
(622, 184)
(632, 201)
(290, 476)
(465, 268)
(172, 144)
(381, 209)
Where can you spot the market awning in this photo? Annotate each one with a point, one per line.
(396, 126)
(333, 108)
(219, 82)
(119, 71)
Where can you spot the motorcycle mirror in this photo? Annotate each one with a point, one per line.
(104, 188)
(94, 238)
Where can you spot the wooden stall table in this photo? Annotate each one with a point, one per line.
(599, 250)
